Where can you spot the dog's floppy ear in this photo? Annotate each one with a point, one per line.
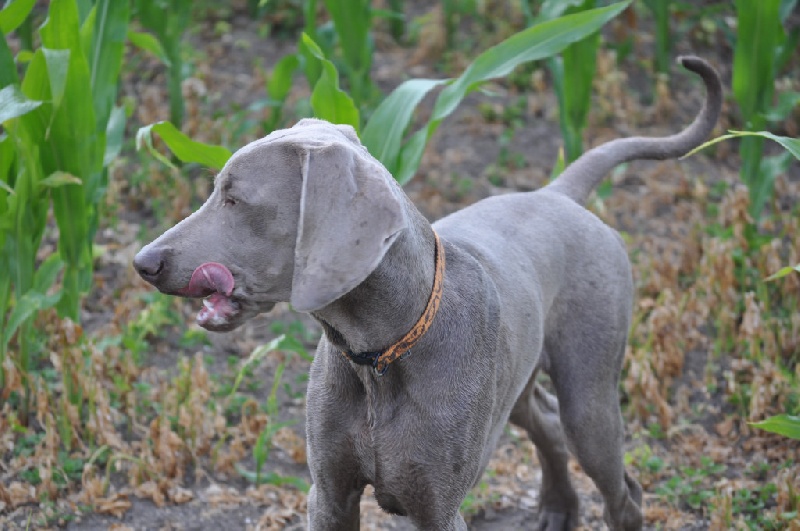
(350, 215)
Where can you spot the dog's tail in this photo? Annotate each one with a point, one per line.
(582, 176)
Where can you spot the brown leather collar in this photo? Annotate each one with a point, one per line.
(380, 360)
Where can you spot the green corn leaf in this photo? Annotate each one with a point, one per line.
(87, 29)
(14, 14)
(114, 134)
(13, 103)
(786, 425)
(791, 144)
(47, 272)
(61, 29)
(411, 154)
(573, 74)
(30, 303)
(383, 134)
(148, 43)
(59, 178)
(537, 42)
(8, 70)
(758, 34)
(186, 149)
(110, 31)
(280, 80)
(327, 99)
(782, 272)
(57, 62)
(352, 20)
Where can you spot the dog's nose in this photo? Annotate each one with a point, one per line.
(149, 263)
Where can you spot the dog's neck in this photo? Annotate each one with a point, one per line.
(390, 301)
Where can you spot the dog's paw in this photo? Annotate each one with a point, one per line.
(557, 521)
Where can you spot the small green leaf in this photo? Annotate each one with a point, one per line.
(14, 14)
(25, 307)
(186, 149)
(280, 81)
(327, 99)
(786, 425)
(782, 272)
(47, 272)
(149, 43)
(59, 178)
(13, 103)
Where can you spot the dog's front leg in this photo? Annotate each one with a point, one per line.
(333, 509)
(334, 427)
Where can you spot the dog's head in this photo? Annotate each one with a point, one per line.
(303, 215)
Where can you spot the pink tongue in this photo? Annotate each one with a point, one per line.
(209, 278)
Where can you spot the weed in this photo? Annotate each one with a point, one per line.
(692, 485)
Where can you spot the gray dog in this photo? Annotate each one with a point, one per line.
(434, 334)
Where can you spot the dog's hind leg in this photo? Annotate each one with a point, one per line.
(536, 411)
(586, 381)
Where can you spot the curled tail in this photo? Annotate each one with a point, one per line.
(582, 176)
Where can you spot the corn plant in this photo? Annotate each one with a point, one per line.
(167, 19)
(62, 130)
(661, 13)
(573, 73)
(278, 87)
(761, 48)
(263, 444)
(385, 132)
(352, 20)
(350, 34)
